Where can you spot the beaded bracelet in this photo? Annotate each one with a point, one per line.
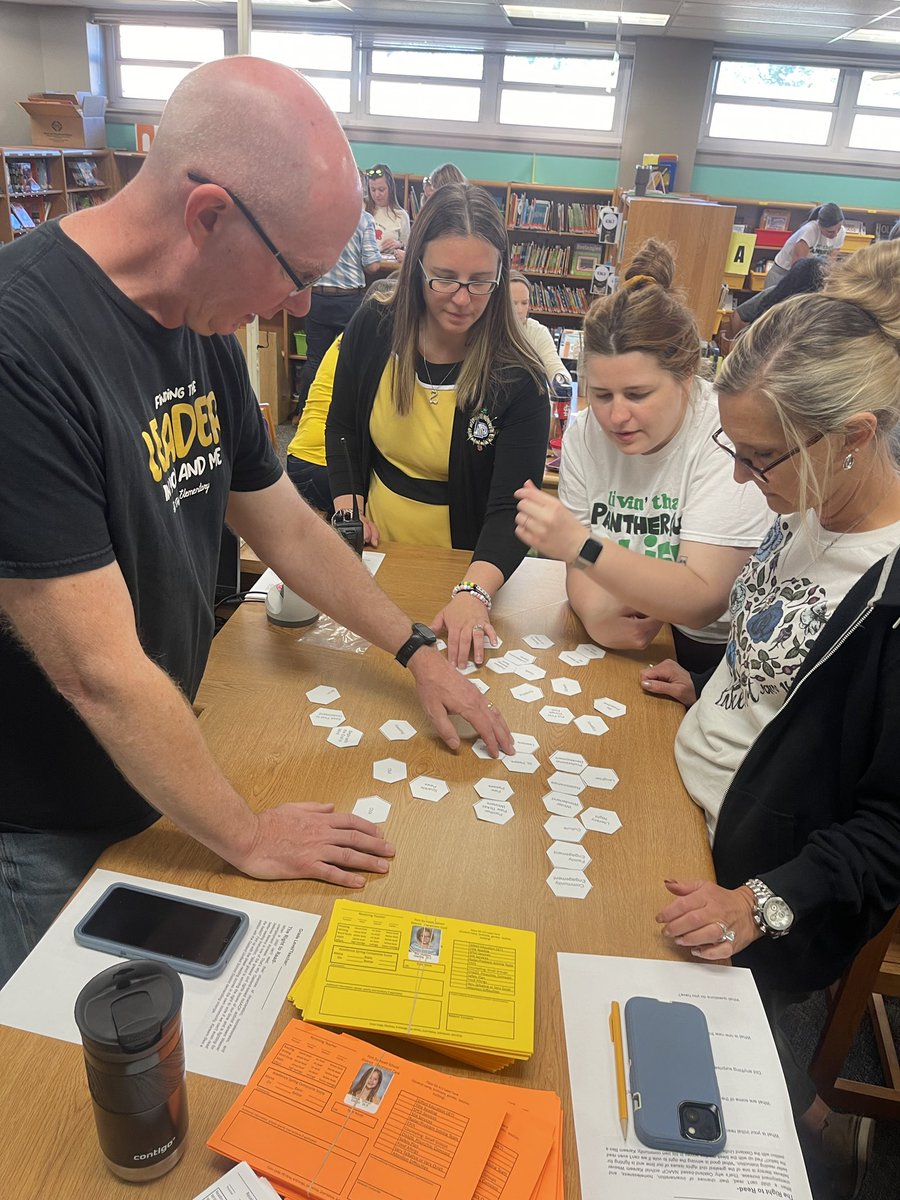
(468, 586)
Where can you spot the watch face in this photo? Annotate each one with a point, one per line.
(590, 551)
(777, 914)
(427, 636)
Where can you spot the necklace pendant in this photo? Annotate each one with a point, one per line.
(432, 399)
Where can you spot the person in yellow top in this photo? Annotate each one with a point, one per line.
(305, 462)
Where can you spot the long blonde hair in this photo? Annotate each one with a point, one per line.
(495, 345)
(821, 358)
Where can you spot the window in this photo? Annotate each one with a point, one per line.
(873, 130)
(153, 59)
(325, 59)
(400, 84)
(562, 93)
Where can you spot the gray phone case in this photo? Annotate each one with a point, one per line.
(671, 1064)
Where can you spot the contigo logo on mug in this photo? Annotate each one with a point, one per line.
(154, 1153)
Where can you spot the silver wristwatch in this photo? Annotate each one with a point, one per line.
(771, 914)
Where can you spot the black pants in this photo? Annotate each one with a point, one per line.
(328, 316)
(694, 656)
(311, 481)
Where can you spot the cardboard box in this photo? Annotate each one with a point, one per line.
(67, 120)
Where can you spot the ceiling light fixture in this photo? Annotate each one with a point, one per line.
(590, 16)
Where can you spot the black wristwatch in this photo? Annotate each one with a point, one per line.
(588, 554)
(421, 636)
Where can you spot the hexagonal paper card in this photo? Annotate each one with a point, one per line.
(527, 692)
(493, 789)
(557, 715)
(497, 812)
(573, 659)
(565, 829)
(389, 770)
(570, 885)
(424, 787)
(567, 760)
(562, 804)
(562, 781)
(327, 718)
(610, 708)
(565, 687)
(345, 735)
(372, 808)
(569, 855)
(323, 694)
(589, 650)
(398, 731)
(538, 641)
(601, 820)
(600, 777)
(525, 743)
(592, 725)
(521, 764)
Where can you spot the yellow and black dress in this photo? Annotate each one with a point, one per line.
(408, 491)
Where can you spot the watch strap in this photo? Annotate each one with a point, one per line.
(421, 636)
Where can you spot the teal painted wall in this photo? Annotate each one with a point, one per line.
(848, 190)
(503, 166)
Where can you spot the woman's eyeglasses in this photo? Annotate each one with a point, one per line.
(299, 285)
(449, 287)
(761, 474)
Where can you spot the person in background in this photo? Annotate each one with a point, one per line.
(790, 748)
(538, 335)
(390, 217)
(651, 523)
(443, 407)
(107, 561)
(335, 298)
(305, 464)
(806, 275)
(446, 173)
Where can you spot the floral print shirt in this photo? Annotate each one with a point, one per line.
(779, 605)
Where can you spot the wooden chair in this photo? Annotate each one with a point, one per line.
(266, 411)
(874, 974)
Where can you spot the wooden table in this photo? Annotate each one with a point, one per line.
(254, 713)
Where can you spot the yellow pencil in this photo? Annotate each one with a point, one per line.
(615, 1032)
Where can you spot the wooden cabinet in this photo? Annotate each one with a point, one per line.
(699, 231)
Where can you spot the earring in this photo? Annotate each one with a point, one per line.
(849, 461)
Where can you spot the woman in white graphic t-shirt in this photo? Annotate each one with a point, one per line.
(640, 479)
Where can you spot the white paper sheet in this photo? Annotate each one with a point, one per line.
(372, 560)
(226, 1020)
(762, 1158)
(240, 1183)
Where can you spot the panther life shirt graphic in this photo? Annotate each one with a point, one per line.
(652, 503)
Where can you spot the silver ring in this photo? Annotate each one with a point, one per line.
(478, 629)
(489, 704)
(727, 934)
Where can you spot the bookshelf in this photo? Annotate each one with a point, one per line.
(38, 184)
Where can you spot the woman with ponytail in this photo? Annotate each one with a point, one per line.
(790, 748)
(640, 479)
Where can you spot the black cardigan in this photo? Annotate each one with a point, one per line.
(481, 481)
(814, 809)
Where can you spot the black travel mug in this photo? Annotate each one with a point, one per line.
(129, 1018)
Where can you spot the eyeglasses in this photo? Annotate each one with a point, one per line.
(449, 287)
(375, 172)
(761, 474)
(299, 285)
(426, 181)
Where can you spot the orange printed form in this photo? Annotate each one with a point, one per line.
(327, 1117)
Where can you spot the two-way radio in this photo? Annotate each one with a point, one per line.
(349, 524)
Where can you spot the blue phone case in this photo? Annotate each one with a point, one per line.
(671, 1064)
(182, 965)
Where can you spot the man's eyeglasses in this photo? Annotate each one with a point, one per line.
(761, 473)
(299, 285)
(449, 287)
(375, 173)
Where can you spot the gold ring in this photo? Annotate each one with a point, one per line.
(489, 704)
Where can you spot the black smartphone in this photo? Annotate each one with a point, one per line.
(192, 936)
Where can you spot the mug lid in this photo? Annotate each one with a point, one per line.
(128, 1007)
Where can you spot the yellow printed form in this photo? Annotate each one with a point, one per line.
(461, 987)
(328, 1117)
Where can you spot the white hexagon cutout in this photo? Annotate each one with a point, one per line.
(327, 718)
(562, 804)
(556, 715)
(610, 708)
(521, 764)
(600, 777)
(497, 812)
(372, 808)
(570, 885)
(573, 659)
(323, 694)
(389, 770)
(479, 749)
(568, 855)
(565, 687)
(562, 781)
(398, 731)
(530, 671)
(424, 787)
(601, 820)
(565, 829)
(592, 725)
(538, 641)
(345, 735)
(589, 650)
(524, 743)
(567, 760)
(527, 692)
(493, 789)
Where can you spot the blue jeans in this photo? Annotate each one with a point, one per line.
(311, 481)
(38, 873)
